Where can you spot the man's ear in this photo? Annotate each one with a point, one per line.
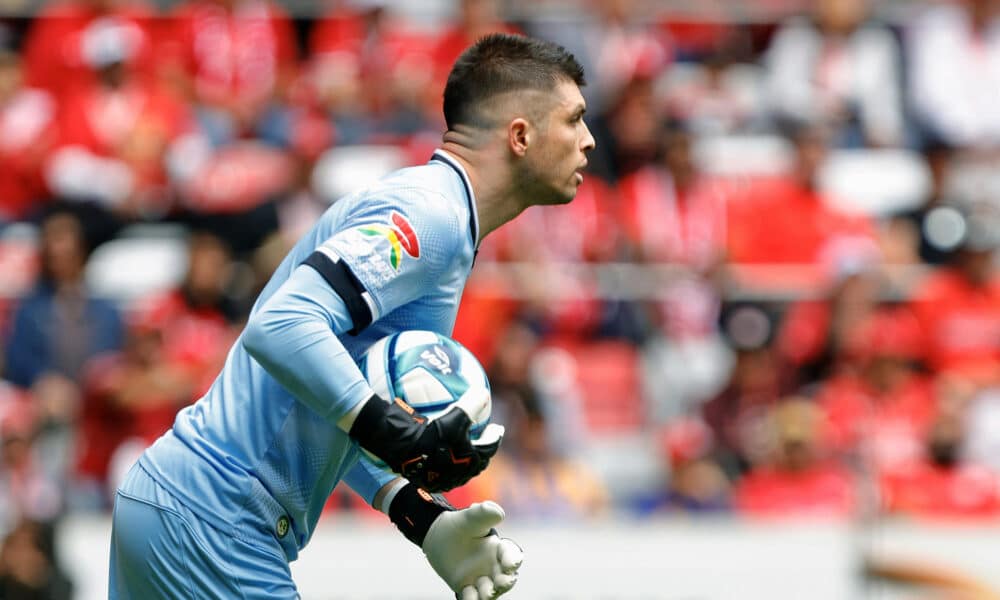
(519, 136)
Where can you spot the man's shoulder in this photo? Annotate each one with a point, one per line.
(423, 193)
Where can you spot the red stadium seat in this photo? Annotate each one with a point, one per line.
(607, 375)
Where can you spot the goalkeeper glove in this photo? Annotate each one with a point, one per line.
(436, 455)
(461, 546)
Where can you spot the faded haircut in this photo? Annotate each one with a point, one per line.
(499, 64)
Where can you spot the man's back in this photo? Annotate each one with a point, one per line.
(250, 453)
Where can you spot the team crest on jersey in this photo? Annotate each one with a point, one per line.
(401, 236)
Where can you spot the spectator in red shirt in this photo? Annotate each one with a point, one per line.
(788, 221)
(882, 410)
(671, 211)
(114, 133)
(235, 60)
(64, 33)
(196, 321)
(959, 305)
(372, 72)
(814, 335)
(798, 480)
(28, 123)
(176, 344)
(942, 485)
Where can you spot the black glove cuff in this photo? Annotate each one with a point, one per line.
(413, 510)
(388, 430)
(369, 421)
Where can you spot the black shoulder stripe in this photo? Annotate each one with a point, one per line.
(347, 286)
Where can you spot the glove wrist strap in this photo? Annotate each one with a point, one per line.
(413, 510)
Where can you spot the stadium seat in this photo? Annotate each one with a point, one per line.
(743, 155)
(128, 268)
(608, 379)
(18, 259)
(875, 182)
(343, 169)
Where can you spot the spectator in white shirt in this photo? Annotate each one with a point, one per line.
(953, 53)
(839, 68)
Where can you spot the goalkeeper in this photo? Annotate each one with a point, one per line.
(219, 506)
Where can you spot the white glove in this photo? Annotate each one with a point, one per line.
(465, 551)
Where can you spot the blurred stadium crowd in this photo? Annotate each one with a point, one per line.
(775, 294)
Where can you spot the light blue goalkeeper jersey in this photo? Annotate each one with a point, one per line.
(258, 460)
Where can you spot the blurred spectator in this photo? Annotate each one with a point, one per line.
(954, 72)
(509, 372)
(531, 481)
(942, 485)
(616, 43)
(65, 35)
(627, 130)
(234, 59)
(696, 483)
(720, 95)
(927, 231)
(840, 69)
(176, 344)
(736, 415)
(59, 326)
(197, 319)
(114, 133)
(959, 304)
(788, 220)
(29, 568)
(55, 330)
(27, 490)
(815, 336)
(548, 241)
(28, 120)
(373, 73)
(672, 213)
(881, 411)
(475, 19)
(796, 479)
(130, 395)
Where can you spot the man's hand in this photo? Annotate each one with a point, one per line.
(469, 555)
(436, 455)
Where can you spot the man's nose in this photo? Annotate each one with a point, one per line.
(588, 140)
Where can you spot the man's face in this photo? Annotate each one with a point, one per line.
(559, 155)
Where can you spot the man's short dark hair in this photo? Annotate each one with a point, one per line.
(500, 63)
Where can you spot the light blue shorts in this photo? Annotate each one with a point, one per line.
(162, 549)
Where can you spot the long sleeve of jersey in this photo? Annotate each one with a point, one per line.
(366, 479)
(294, 337)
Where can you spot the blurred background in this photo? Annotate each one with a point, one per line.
(757, 357)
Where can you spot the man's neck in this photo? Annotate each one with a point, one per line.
(496, 200)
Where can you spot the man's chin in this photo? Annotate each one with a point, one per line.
(556, 197)
(566, 196)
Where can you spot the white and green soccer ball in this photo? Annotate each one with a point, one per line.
(430, 372)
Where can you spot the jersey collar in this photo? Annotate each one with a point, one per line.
(443, 157)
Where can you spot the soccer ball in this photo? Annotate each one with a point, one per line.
(429, 372)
